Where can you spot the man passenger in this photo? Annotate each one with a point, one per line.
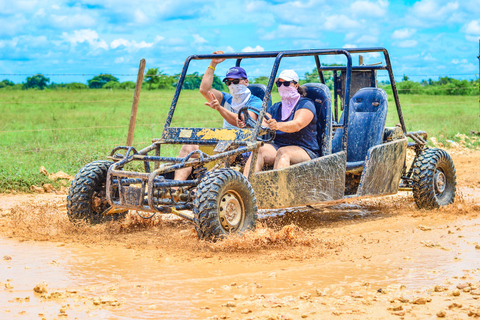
(227, 104)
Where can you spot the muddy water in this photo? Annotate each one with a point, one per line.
(147, 288)
(314, 263)
(166, 287)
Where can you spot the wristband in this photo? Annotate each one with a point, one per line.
(212, 68)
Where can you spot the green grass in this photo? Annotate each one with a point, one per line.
(64, 130)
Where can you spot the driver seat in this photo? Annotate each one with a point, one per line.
(259, 90)
(320, 94)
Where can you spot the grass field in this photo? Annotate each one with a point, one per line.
(64, 130)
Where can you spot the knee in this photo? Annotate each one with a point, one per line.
(282, 154)
(262, 152)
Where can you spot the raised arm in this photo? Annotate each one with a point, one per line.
(207, 80)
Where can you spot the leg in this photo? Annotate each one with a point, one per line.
(266, 155)
(183, 174)
(289, 155)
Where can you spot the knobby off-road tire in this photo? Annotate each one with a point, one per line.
(225, 203)
(87, 195)
(434, 179)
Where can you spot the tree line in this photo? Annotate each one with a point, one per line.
(155, 79)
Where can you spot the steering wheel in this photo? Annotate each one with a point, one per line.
(250, 123)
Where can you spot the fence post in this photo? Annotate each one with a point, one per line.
(136, 98)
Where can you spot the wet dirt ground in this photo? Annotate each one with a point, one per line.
(366, 259)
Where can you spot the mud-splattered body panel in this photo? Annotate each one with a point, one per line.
(383, 168)
(311, 182)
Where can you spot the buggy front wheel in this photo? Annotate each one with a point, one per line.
(87, 199)
(225, 203)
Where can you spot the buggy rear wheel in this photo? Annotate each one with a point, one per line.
(434, 179)
(87, 195)
(224, 204)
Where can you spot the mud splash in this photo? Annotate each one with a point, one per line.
(364, 259)
(48, 222)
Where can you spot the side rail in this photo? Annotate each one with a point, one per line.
(207, 136)
(154, 191)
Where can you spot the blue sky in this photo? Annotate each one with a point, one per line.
(426, 38)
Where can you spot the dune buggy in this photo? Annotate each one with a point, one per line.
(360, 157)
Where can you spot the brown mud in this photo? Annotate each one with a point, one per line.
(378, 258)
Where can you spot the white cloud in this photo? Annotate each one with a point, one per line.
(284, 31)
(403, 33)
(141, 17)
(13, 25)
(177, 41)
(472, 30)
(12, 7)
(340, 23)
(429, 57)
(430, 13)
(370, 9)
(158, 39)
(350, 46)
(367, 39)
(373, 54)
(432, 8)
(456, 61)
(473, 27)
(255, 6)
(72, 21)
(40, 13)
(229, 49)
(9, 43)
(250, 49)
(470, 67)
(198, 39)
(119, 60)
(131, 45)
(85, 35)
(472, 38)
(406, 43)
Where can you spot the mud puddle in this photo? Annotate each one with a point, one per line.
(380, 258)
(365, 258)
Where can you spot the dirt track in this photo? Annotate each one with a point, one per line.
(368, 259)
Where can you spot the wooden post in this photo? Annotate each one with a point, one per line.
(136, 98)
(360, 60)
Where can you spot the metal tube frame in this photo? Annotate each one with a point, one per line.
(116, 173)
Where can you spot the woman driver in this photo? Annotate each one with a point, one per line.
(294, 118)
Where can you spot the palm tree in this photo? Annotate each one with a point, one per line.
(152, 77)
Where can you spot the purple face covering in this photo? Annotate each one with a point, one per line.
(290, 97)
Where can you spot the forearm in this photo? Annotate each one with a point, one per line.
(229, 116)
(207, 80)
(290, 126)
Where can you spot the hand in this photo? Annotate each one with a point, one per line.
(217, 61)
(214, 104)
(240, 123)
(273, 124)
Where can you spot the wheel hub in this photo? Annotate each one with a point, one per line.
(440, 181)
(99, 201)
(231, 211)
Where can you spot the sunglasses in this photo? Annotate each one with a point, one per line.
(234, 81)
(285, 83)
